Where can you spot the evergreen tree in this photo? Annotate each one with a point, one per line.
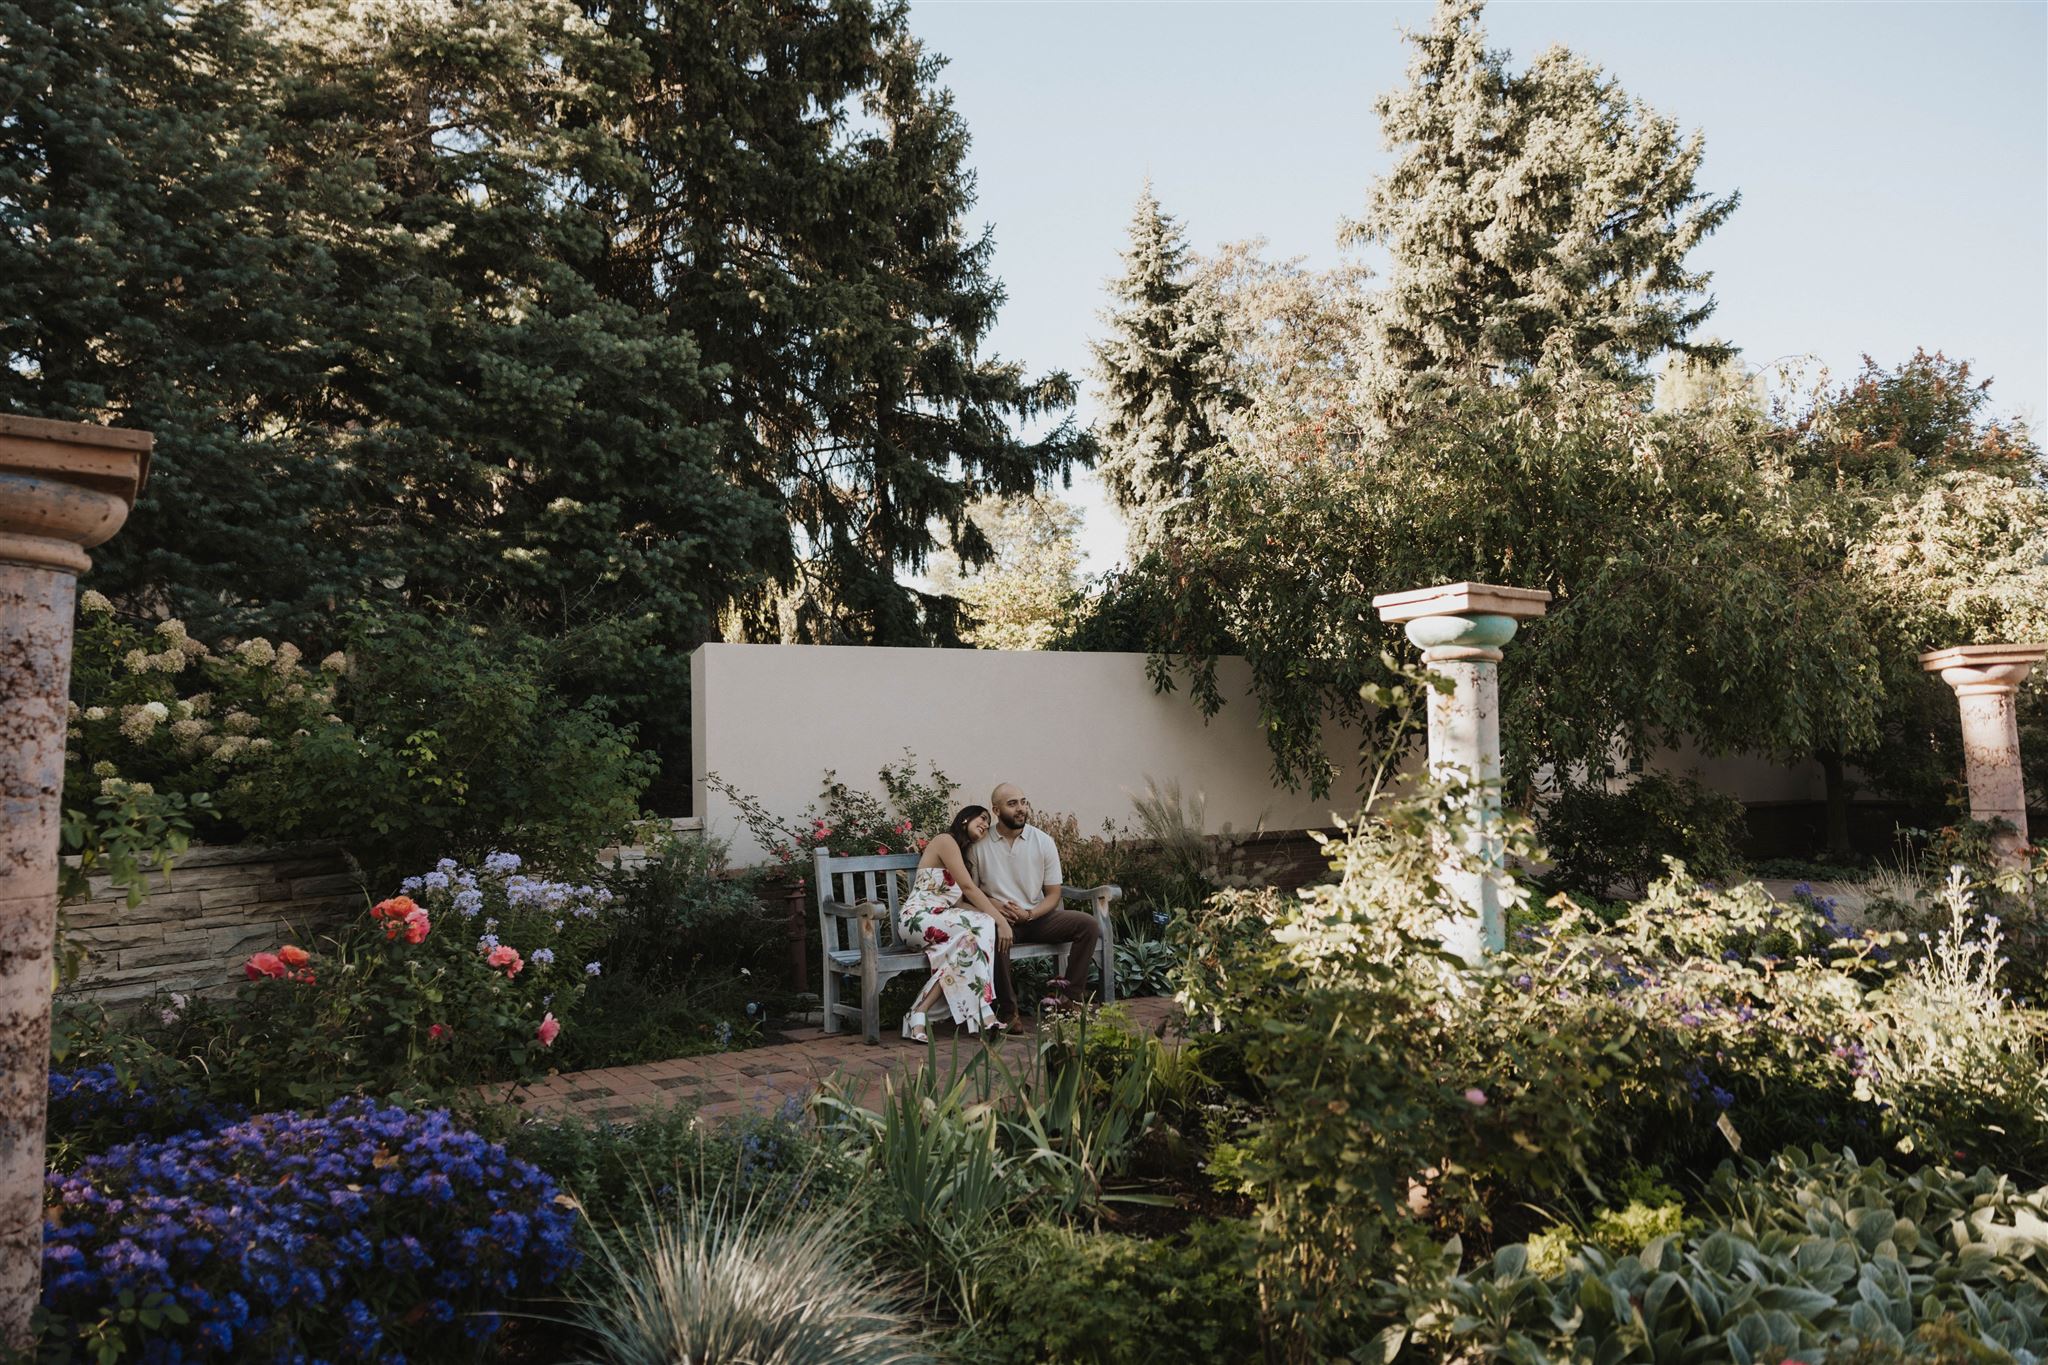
(1532, 215)
(801, 216)
(1162, 373)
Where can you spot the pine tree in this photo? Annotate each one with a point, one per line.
(1162, 372)
(1532, 214)
(802, 218)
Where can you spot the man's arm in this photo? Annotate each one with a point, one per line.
(1047, 905)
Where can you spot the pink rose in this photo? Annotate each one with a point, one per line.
(437, 1033)
(1475, 1096)
(882, 849)
(261, 965)
(508, 958)
(547, 1031)
(416, 926)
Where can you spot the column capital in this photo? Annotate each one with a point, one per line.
(1982, 670)
(64, 487)
(1462, 599)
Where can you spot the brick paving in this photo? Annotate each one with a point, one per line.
(762, 1080)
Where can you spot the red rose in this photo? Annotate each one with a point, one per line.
(947, 875)
(936, 935)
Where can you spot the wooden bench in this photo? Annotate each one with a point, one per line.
(857, 901)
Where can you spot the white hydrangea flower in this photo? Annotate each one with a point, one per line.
(287, 657)
(95, 601)
(136, 661)
(95, 713)
(157, 710)
(171, 631)
(258, 651)
(336, 663)
(239, 722)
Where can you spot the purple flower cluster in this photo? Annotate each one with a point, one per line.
(352, 1235)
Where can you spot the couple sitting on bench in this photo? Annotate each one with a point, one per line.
(990, 881)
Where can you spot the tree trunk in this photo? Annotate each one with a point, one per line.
(1838, 792)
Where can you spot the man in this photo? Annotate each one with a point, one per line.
(1018, 868)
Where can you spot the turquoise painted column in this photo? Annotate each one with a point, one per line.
(1460, 629)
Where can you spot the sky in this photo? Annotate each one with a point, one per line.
(1892, 158)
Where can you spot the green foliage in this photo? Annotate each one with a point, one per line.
(1602, 840)
(693, 961)
(1531, 215)
(1803, 1255)
(425, 739)
(1061, 1296)
(1025, 596)
(734, 1278)
(1627, 517)
(532, 310)
(1162, 374)
(852, 822)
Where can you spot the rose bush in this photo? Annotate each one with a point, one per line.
(469, 974)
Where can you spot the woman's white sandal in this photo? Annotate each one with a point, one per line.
(914, 1027)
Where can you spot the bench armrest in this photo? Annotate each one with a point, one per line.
(1105, 894)
(864, 911)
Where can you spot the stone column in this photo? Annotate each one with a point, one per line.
(1460, 628)
(1987, 679)
(63, 487)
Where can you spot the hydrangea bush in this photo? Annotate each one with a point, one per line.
(363, 1233)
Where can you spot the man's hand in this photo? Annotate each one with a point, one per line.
(1013, 912)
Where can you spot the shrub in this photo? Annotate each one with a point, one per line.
(472, 982)
(1808, 1254)
(425, 737)
(734, 1280)
(852, 822)
(93, 1107)
(1059, 1295)
(1600, 840)
(350, 1235)
(693, 956)
(666, 1155)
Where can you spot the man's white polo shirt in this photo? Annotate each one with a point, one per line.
(1015, 870)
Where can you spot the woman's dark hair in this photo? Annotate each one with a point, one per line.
(967, 816)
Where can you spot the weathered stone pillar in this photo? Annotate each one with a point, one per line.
(1460, 628)
(63, 487)
(1987, 679)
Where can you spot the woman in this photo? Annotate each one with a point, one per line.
(958, 942)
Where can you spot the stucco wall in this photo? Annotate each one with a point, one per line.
(1079, 732)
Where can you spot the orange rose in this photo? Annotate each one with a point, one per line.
(293, 956)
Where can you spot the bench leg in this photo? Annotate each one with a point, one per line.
(870, 987)
(830, 992)
(1106, 949)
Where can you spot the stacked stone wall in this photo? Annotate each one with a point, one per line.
(194, 933)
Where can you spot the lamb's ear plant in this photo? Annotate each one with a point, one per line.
(727, 1278)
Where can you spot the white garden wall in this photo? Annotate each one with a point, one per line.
(1079, 732)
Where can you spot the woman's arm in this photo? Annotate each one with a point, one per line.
(956, 866)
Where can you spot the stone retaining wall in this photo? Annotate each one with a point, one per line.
(221, 904)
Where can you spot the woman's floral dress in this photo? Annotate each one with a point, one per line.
(960, 944)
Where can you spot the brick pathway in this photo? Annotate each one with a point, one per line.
(761, 1080)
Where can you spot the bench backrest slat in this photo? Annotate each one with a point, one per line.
(877, 877)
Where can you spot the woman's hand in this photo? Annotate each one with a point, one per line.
(1004, 933)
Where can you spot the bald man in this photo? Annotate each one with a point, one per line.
(1017, 866)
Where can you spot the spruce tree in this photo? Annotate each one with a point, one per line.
(1532, 215)
(802, 216)
(1162, 370)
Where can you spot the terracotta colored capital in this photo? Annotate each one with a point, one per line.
(63, 487)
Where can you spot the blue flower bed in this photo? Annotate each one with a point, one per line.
(362, 1234)
(92, 1107)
